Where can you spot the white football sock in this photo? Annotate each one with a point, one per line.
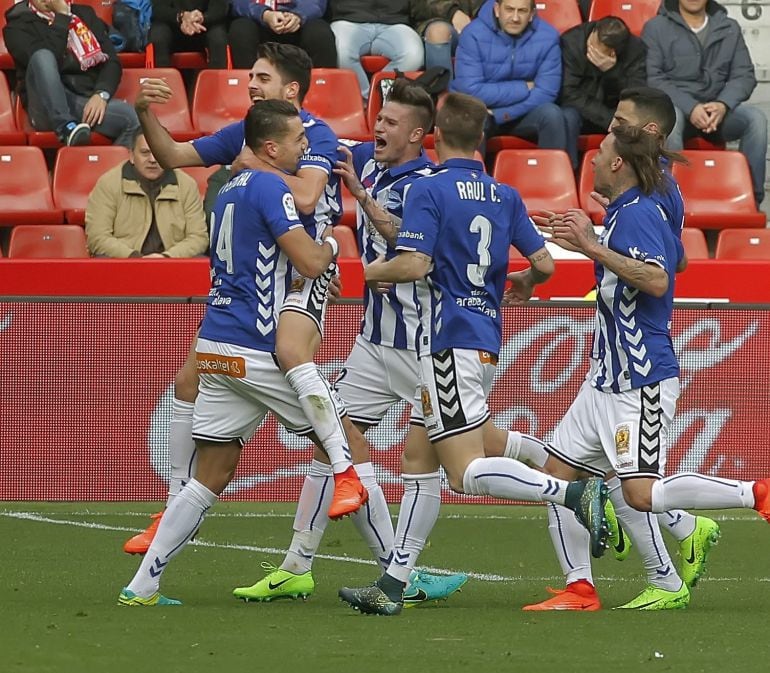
(677, 522)
(177, 527)
(419, 510)
(689, 490)
(311, 518)
(571, 541)
(373, 520)
(526, 448)
(181, 447)
(643, 529)
(512, 480)
(315, 397)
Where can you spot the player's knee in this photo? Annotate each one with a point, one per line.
(638, 499)
(290, 354)
(359, 447)
(455, 481)
(186, 383)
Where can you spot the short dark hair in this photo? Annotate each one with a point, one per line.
(135, 137)
(612, 32)
(643, 151)
(405, 92)
(654, 105)
(292, 63)
(267, 120)
(461, 119)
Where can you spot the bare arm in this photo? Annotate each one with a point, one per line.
(309, 258)
(405, 267)
(541, 268)
(168, 152)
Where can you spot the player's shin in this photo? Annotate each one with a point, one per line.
(181, 447)
(696, 491)
(571, 542)
(373, 520)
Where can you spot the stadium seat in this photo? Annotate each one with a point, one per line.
(48, 242)
(716, 186)
(133, 59)
(372, 63)
(220, 98)
(635, 13)
(701, 143)
(375, 94)
(586, 186)
(346, 238)
(694, 242)
(349, 204)
(743, 244)
(590, 141)
(45, 139)
(561, 14)
(334, 96)
(175, 114)
(9, 134)
(543, 178)
(25, 190)
(201, 175)
(75, 173)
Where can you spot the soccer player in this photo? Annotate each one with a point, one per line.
(280, 72)
(381, 370)
(621, 418)
(457, 228)
(651, 110)
(255, 225)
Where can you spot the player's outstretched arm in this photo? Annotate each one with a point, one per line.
(168, 152)
(406, 267)
(309, 258)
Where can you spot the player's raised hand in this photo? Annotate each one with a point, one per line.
(545, 220)
(152, 90)
(334, 289)
(372, 269)
(577, 230)
(602, 200)
(521, 288)
(347, 173)
(245, 159)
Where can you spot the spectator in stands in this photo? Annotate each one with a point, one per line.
(139, 209)
(697, 55)
(67, 71)
(599, 59)
(510, 59)
(440, 23)
(374, 27)
(297, 22)
(189, 25)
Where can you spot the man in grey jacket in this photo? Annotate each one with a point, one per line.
(698, 56)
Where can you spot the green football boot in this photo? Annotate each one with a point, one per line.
(620, 542)
(653, 598)
(695, 548)
(277, 584)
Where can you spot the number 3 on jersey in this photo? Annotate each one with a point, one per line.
(477, 272)
(224, 244)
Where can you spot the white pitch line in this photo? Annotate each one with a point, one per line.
(486, 577)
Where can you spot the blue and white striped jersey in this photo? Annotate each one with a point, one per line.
(250, 274)
(391, 319)
(465, 221)
(632, 333)
(224, 146)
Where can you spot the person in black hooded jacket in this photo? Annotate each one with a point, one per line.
(67, 71)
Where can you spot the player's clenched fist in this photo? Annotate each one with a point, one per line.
(152, 90)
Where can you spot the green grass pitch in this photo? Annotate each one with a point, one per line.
(63, 566)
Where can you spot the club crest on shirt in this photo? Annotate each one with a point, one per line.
(427, 405)
(297, 284)
(622, 439)
(289, 208)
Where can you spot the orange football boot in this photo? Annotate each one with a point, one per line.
(349, 494)
(580, 595)
(140, 543)
(761, 490)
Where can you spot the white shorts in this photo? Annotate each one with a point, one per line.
(455, 384)
(622, 432)
(237, 387)
(309, 296)
(374, 378)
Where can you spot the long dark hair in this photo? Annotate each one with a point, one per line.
(644, 152)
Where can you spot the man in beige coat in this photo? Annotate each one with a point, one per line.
(138, 209)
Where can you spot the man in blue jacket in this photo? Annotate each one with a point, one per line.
(697, 55)
(510, 59)
(297, 22)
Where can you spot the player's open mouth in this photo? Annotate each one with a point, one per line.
(254, 96)
(379, 143)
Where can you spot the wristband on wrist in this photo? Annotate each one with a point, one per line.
(334, 246)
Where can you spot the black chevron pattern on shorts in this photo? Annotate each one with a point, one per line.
(450, 404)
(650, 425)
(319, 289)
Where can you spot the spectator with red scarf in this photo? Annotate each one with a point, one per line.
(68, 71)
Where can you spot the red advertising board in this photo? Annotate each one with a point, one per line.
(86, 390)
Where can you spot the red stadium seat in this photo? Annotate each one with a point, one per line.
(586, 186)
(635, 13)
(375, 94)
(48, 242)
(590, 141)
(25, 190)
(75, 173)
(743, 244)
(347, 239)
(6, 60)
(543, 178)
(46, 139)
(220, 98)
(694, 242)
(201, 175)
(133, 59)
(717, 191)
(349, 204)
(701, 143)
(372, 63)
(334, 96)
(9, 134)
(174, 114)
(561, 14)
